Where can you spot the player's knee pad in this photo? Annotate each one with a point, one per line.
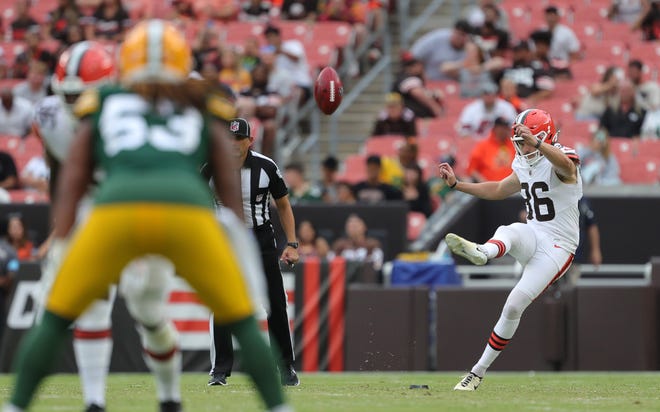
(98, 316)
(160, 339)
(516, 304)
(145, 285)
(249, 258)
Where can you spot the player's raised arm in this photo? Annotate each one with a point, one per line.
(563, 164)
(484, 190)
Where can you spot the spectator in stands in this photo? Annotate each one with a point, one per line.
(8, 174)
(625, 11)
(183, 12)
(232, 73)
(415, 191)
(533, 83)
(353, 12)
(205, 47)
(372, 189)
(300, 190)
(255, 11)
(251, 57)
(329, 184)
(290, 59)
(109, 21)
(649, 20)
(598, 165)
(442, 51)
(491, 158)
(647, 92)
(34, 50)
(600, 95)
(263, 103)
(310, 244)
(23, 20)
(345, 193)
(74, 33)
(395, 118)
(355, 245)
(411, 84)
(36, 175)
(15, 114)
(18, 238)
(559, 69)
(486, 11)
(627, 117)
(393, 168)
(565, 45)
(35, 86)
(9, 266)
(65, 14)
(222, 10)
(299, 9)
(477, 118)
(437, 186)
(509, 92)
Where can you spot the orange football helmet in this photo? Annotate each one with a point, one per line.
(154, 51)
(541, 125)
(83, 65)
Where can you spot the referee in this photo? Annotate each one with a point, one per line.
(261, 179)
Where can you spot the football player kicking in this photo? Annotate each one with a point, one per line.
(148, 135)
(144, 283)
(547, 176)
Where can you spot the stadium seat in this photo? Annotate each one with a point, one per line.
(10, 50)
(416, 222)
(355, 169)
(28, 196)
(640, 170)
(387, 145)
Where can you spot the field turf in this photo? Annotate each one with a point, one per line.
(383, 392)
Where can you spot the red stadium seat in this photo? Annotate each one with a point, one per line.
(28, 196)
(640, 170)
(384, 145)
(355, 169)
(10, 50)
(416, 222)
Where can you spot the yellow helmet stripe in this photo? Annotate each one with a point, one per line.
(155, 31)
(77, 53)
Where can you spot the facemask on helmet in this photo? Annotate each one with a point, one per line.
(542, 126)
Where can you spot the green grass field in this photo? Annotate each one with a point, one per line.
(634, 391)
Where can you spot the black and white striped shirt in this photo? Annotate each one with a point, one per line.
(260, 179)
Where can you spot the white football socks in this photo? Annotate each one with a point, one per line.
(93, 359)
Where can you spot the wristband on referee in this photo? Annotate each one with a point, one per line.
(538, 143)
(454, 185)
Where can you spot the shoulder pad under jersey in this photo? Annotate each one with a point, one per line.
(568, 151)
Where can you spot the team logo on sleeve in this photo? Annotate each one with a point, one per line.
(233, 126)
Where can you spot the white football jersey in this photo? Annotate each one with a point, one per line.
(552, 205)
(56, 125)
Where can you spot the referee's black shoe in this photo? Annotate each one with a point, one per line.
(94, 408)
(289, 377)
(170, 406)
(218, 378)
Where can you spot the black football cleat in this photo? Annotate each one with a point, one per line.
(289, 377)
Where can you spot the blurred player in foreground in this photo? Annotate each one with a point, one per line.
(547, 175)
(145, 283)
(149, 137)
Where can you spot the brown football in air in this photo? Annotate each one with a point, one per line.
(328, 90)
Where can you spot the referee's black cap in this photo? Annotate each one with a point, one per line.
(240, 127)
